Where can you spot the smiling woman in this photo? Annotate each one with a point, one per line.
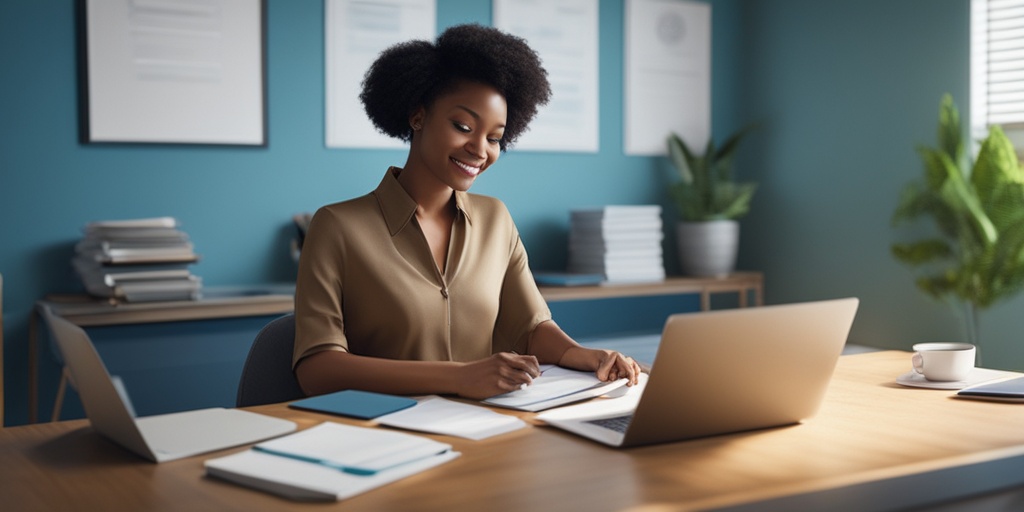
(421, 287)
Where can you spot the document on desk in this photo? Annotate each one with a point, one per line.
(330, 461)
(556, 386)
(440, 416)
(601, 407)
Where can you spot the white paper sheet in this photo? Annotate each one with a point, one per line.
(556, 386)
(439, 416)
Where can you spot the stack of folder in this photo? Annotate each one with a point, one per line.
(137, 260)
(621, 242)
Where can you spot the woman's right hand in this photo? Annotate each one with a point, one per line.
(500, 373)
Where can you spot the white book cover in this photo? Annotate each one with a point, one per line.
(618, 238)
(581, 226)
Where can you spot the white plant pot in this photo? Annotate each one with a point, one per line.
(708, 249)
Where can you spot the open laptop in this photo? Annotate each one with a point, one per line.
(158, 438)
(728, 371)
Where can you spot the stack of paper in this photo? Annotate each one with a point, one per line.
(556, 386)
(621, 242)
(330, 461)
(137, 260)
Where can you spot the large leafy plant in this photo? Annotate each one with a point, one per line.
(978, 254)
(706, 189)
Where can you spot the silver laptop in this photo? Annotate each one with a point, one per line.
(728, 371)
(158, 438)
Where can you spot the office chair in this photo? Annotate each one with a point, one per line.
(267, 376)
(1, 351)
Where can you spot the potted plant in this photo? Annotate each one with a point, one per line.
(977, 256)
(710, 202)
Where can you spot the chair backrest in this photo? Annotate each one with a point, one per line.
(1, 351)
(267, 376)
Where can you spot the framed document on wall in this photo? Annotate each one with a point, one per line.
(173, 71)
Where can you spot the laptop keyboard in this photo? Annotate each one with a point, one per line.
(618, 423)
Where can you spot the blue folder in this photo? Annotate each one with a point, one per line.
(356, 404)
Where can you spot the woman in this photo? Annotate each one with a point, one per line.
(420, 287)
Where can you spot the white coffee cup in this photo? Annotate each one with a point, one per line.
(943, 362)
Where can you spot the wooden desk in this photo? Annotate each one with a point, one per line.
(88, 312)
(741, 283)
(873, 446)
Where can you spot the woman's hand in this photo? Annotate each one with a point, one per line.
(500, 373)
(609, 365)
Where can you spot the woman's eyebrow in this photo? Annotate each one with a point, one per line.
(469, 110)
(472, 113)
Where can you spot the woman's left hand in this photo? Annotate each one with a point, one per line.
(615, 366)
(609, 365)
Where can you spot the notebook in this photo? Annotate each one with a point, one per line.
(354, 403)
(158, 438)
(330, 461)
(728, 371)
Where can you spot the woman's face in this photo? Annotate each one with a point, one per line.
(460, 134)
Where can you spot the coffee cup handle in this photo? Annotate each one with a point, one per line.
(918, 362)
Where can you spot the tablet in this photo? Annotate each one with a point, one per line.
(1008, 390)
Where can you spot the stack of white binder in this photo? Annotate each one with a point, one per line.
(621, 242)
(137, 260)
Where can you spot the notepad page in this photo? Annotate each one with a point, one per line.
(355, 447)
(440, 416)
(554, 382)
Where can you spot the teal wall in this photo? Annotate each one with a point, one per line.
(847, 89)
(844, 90)
(236, 202)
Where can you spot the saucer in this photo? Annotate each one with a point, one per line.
(977, 376)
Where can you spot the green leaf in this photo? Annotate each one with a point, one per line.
(921, 252)
(707, 190)
(950, 140)
(681, 157)
(979, 216)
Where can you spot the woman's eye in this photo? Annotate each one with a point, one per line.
(461, 127)
(494, 141)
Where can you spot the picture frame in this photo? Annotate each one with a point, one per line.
(172, 72)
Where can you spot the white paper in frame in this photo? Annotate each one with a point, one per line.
(355, 33)
(565, 35)
(667, 74)
(173, 71)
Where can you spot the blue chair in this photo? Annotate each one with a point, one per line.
(267, 376)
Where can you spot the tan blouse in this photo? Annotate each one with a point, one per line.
(368, 283)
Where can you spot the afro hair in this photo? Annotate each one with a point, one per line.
(413, 74)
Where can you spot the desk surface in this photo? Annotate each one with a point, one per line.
(869, 432)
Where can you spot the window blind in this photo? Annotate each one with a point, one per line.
(997, 63)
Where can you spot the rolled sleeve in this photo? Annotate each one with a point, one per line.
(319, 323)
(523, 307)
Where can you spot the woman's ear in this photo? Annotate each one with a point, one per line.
(416, 119)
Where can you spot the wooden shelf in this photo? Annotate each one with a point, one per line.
(741, 283)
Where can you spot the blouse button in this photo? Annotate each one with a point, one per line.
(444, 292)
